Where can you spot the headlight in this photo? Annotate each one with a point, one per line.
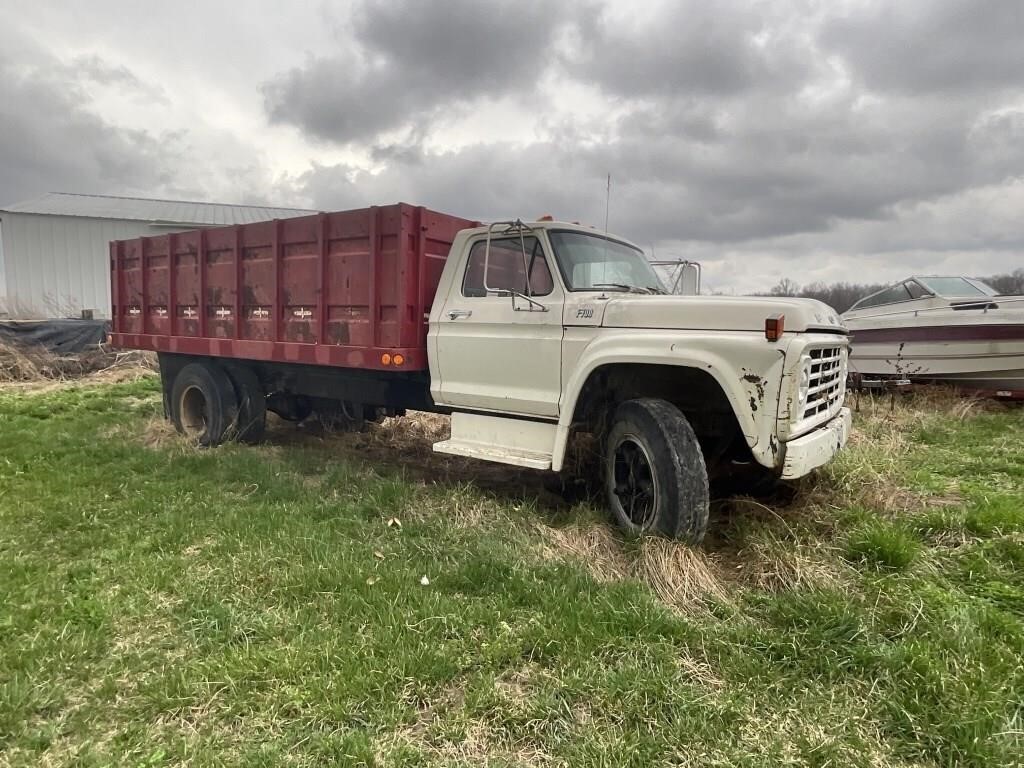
(803, 386)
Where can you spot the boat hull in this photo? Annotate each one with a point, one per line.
(976, 356)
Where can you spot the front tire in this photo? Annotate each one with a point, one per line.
(655, 477)
(203, 403)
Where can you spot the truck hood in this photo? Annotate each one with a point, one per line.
(718, 313)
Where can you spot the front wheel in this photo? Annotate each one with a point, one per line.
(655, 477)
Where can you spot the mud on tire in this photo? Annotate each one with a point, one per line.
(655, 477)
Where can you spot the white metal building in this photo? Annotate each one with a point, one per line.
(54, 255)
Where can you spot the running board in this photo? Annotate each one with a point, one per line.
(503, 440)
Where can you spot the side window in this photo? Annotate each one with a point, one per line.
(916, 291)
(505, 270)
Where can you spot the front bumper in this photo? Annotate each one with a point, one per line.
(817, 447)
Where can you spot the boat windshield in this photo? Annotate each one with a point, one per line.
(955, 287)
(595, 263)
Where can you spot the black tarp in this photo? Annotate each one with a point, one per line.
(61, 337)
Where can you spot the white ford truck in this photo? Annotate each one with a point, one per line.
(537, 332)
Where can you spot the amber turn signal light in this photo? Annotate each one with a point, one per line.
(398, 359)
(774, 327)
(385, 359)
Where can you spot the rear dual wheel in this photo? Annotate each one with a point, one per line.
(204, 406)
(252, 404)
(211, 406)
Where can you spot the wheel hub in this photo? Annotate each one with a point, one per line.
(194, 410)
(635, 486)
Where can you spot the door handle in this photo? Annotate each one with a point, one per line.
(455, 314)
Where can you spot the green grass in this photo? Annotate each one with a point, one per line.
(164, 605)
(883, 544)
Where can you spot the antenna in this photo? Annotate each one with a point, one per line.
(607, 202)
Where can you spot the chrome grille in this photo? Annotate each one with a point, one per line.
(827, 386)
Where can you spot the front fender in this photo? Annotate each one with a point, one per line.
(748, 369)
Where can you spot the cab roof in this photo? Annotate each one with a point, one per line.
(549, 225)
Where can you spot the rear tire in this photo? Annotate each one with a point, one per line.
(252, 404)
(655, 477)
(203, 403)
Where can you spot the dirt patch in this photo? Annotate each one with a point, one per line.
(442, 731)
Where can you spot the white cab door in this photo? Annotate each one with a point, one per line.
(501, 352)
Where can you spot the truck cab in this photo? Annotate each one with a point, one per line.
(545, 329)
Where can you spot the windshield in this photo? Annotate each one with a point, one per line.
(955, 286)
(595, 263)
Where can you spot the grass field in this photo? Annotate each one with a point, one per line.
(356, 600)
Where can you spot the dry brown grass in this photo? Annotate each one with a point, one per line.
(682, 577)
(36, 369)
(791, 543)
(771, 562)
(479, 741)
(833, 721)
(158, 432)
(480, 744)
(413, 434)
(871, 472)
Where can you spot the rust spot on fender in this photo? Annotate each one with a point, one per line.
(757, 381)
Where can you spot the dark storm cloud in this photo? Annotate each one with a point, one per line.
(52, 142)
(690, 47)
(732, 125)
(741, 126)
(405, 61)
(774, 168)
(932, 45)
(753, 176)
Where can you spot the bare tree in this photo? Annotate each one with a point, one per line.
(785, 287)
(1007, 285)
(842, 296)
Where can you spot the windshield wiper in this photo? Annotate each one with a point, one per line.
(632, 288)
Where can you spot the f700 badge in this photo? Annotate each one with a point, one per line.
(583, 312)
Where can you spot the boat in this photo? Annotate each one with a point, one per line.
(952, 330)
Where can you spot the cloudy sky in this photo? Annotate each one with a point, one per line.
(814, 139)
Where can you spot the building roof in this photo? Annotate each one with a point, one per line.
(157, 212)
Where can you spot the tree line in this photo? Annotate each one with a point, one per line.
(842, 296)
